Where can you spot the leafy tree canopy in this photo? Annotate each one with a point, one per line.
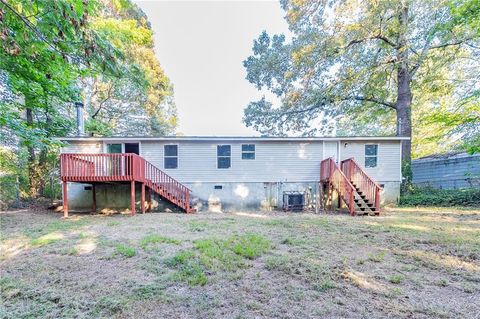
(56, 52)
(368, 67)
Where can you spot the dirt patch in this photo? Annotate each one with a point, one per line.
(406, 263)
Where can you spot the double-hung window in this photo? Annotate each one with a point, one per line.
(371, 155)
(170, 153)
(248, 151)
(224, 154)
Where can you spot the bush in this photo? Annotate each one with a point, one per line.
(441, 197)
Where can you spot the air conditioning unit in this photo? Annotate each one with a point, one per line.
(293, 201)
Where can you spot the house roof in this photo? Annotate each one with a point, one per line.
(233, 138)
(444, 156)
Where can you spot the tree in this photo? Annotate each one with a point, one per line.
(359, 61)
(140, 102)
(47, 48)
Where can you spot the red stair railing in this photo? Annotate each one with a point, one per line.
(363, 181)
(166, 185)
(332, 174)
(123, 167)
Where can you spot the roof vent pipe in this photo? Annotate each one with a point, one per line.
(80, 120)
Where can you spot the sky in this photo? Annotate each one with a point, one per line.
(201, 46)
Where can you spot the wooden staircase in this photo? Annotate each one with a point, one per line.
(359, 192)
(121, 168)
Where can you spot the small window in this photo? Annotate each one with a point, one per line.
(224, 153)
(114, 148)
(248, 151)
(170, 156)
(371, 155)
(218, 187)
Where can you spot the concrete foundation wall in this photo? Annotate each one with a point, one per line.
(208, 196)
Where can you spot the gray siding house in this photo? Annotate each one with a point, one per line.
(240, 173)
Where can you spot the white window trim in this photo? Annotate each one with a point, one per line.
(248, 152)
(122, 142)
(178, 155)
(377, 156)
(216, 155)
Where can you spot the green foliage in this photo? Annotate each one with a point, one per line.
(341, 71)
(427, 196)
(56, 52)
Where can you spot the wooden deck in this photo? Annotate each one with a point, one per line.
(111, 168)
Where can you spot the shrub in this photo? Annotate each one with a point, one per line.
(428, 196)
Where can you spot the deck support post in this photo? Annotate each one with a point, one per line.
(65, 200)
(94, 198)
(330, 196)
(339, 200)
(132, 197)
(149, 200)
(143, 198)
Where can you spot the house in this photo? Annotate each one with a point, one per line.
(228, 173)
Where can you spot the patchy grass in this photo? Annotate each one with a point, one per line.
(377, 257)
(189, 268)
(214, 255)
(198, 226)
(250, 245)
(153, 239)
(46, 239)
(407, 263)
(293, 241)
(395, 279)
(125, 251)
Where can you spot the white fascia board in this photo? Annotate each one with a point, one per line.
(235, 138)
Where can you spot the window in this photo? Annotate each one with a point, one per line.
(170, 156)
(114, 148)
(248, 151)
(218, 187)
(224, 153)
(371, 155)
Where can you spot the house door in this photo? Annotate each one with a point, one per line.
(330, 149)
(132, 148)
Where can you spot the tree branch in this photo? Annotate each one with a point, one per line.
(374, 100)
(104, 100)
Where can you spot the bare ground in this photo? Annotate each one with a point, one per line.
(409, 263)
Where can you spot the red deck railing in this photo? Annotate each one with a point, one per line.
(362, 181)
(123, 167)
(331, 173)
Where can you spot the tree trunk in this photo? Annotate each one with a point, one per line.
(32, 170)
(404, 114)
(404, 92)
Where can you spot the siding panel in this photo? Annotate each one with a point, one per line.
(274, 161)
(86, 148)
(388, 161)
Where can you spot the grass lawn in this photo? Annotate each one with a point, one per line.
(415, 263)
